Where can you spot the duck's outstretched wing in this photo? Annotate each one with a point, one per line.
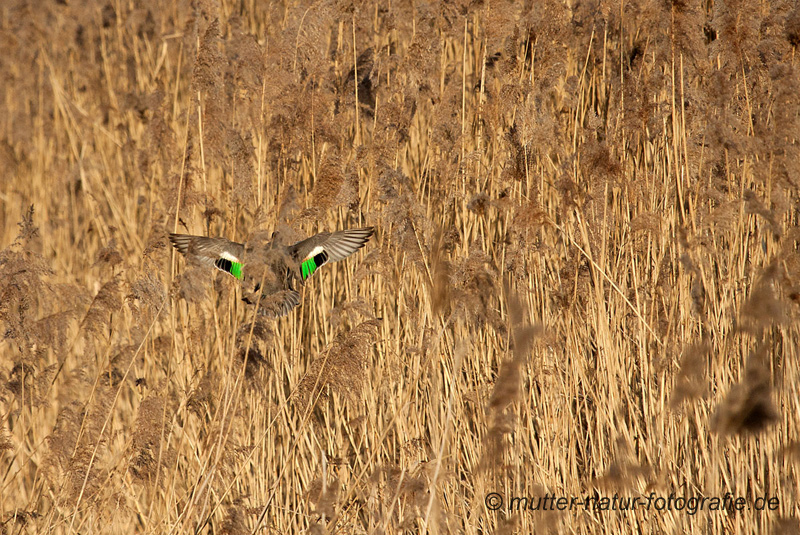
(326, 247)
(220, 253)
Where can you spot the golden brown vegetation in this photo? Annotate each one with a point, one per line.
(585, 278)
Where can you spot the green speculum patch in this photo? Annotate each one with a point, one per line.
(310, 265)
(308, 268)
(234, 268)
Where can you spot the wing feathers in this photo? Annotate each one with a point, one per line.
(278, 304)
(209, 251)
(338, 245)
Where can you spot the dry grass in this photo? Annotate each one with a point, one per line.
(585, 278)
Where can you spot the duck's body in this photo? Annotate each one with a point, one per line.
(267, 267)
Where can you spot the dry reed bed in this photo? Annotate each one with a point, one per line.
(584, 281)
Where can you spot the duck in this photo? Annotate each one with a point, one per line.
(267, 268)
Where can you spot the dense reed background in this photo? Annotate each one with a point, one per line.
(585, 277)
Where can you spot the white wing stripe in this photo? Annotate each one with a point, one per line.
(228, 256)
(314, 252)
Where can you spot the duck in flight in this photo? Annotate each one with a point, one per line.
(267, 268)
